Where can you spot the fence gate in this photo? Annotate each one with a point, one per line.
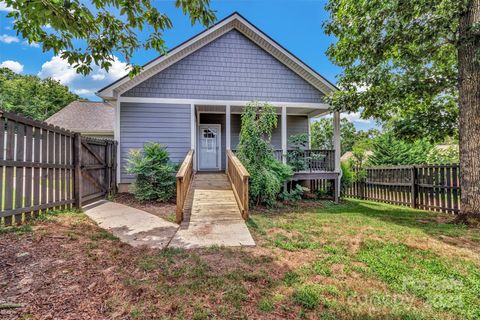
(97, 168)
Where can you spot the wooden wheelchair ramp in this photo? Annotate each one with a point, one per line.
(211, 215)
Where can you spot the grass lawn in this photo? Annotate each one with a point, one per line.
(358, 259)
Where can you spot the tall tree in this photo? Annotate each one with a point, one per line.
(91, 32)
(31, 96)
(469, 88)
(321, 132)
(416, 59)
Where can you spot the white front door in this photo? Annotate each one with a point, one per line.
(209, 147)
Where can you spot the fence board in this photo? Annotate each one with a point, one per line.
(36, 171)
(428, 187)
(28, 170)
(9, 183)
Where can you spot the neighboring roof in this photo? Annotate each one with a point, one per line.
(85, 116)
(349, 155)
(444, 147)
(233, 21)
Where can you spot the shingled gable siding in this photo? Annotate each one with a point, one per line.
(231, 67)
(295, 125)
(168, 124)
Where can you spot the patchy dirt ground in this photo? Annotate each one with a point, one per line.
(160, 209)
(322, 261)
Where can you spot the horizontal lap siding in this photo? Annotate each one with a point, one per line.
(295, 125)
(168, 124)
(231, 67)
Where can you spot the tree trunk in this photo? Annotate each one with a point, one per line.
(469, 126)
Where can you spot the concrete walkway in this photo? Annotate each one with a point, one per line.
(211, 218)
(130, 225)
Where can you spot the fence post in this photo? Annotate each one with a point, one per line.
(108, 167)
(77, 172)
(414, 187)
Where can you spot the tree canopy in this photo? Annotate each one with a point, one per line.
(31, 96)
(86, 33)
(400, 62)
(321, 132)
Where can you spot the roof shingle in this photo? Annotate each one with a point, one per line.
(85, 116)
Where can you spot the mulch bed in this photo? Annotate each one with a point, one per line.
(160, 209)
(49, 273)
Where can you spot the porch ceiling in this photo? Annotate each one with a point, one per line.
(306, 111)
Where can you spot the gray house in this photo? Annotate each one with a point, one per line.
(192, 99)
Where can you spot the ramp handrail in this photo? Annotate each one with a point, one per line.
(238, 176)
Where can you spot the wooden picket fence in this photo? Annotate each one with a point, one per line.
(427, 187)
(44, 167)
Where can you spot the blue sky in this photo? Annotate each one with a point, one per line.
(295, 24)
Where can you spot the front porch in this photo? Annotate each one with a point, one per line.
(216, 129)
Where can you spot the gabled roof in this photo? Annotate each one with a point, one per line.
(85, 117)
(234, 21)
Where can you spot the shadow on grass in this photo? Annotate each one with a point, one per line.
(434, 224)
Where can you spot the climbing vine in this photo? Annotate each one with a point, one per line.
(267, 175)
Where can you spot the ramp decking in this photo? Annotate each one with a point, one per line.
(211, 215)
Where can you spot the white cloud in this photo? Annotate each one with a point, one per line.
(58, 69)
(355, 117)
(3, 7)
(31, 44)
(86, 86)
(84, 92)
(5, 38)
(98, 77)
(15, 66)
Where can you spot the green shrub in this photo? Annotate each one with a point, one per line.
(388, 150)
(347, 175)
(444, 156)
(267, 175)
(293, 195)
(155, 174)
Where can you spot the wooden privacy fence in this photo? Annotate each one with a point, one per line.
(46, 167)
(427, 187)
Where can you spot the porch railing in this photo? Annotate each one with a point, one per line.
(184, 179)
(238, 176)
(311, 160)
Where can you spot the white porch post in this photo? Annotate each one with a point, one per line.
(193, 130)
(336, 139)
(116, 136)
(284, 134)
(337, 148)
(309, 132)
(227, 130)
